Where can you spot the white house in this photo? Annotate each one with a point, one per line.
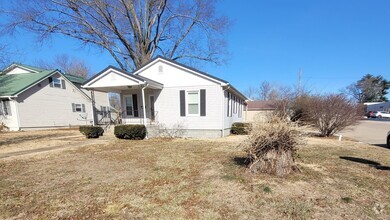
(174, 96)
(35, 98)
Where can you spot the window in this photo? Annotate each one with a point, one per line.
(229, 104)
(57, 83)
(193, 102)
(129, 105)
(5, 108)
(78, 107)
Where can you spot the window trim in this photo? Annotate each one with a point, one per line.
(54, 82)
(131, 104)
(187, 102)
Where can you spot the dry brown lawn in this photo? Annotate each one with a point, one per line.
(195, 179)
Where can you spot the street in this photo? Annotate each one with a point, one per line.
(371, 131)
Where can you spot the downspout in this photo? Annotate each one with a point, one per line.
(17, 111)
(143, 105)
(223, 108)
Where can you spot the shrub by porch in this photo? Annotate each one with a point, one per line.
(134, 132)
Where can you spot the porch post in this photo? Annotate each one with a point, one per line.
(93, 107)
(143, 103)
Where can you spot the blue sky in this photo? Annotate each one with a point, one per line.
(335, 42)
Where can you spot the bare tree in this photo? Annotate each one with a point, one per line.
(132, 31)
(68, 65)
(251, 93)
(4, 56)
(331, 113)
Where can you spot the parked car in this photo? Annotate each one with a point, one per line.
(378, 114)
(388, 139)
(369, 114)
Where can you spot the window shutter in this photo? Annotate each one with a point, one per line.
(74, 107)
(135, 105)
(63, 84)
(202, 102)
(228, 106)
(83, 107)
(182, 103)
(51, 82)
(7, 108)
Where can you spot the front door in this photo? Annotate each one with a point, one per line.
(152, 114)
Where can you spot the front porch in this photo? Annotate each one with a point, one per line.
(137, 96)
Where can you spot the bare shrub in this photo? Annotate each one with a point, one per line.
(331, 113)
(272, 146)
(176, 131)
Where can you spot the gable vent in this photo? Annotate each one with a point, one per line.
(160, 69)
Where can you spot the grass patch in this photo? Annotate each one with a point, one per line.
(267, 189)
(347, 199)
(193, 179)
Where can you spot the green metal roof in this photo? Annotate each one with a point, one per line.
(75, 79)
(13, 84)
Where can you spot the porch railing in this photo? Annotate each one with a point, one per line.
(121, 118)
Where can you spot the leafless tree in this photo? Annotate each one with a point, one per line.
(251, 93)
(4, 56)
(68, 65)
(331, 113)
(132, 31)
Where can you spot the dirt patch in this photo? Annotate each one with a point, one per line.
(193, 179)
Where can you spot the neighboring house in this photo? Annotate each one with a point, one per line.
(174, 97)
(258, 110)
(377, 106)
(35, 98)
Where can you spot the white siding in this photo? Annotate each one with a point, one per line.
(45, 106)
(168, 107)
(18, 70)
(11, 121)
(172, 76)
(167, 101)
(229, 120)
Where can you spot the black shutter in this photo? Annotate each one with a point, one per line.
(202, 102)
(135, 105)
(51, 82)
(182, 103)
(63, 83)
(83, 108)
(73, 107)
(228, 104)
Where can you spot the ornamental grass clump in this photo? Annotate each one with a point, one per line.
(272, 146)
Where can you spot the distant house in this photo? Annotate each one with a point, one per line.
(258, 110)
(35, 98)
(166, 94)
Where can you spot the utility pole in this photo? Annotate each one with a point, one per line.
(299, 82)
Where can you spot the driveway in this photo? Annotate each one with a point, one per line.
(370, 131)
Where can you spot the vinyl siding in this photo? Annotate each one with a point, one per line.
(11, 121)
(168, 107)
(45, 106)
(235, 115)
